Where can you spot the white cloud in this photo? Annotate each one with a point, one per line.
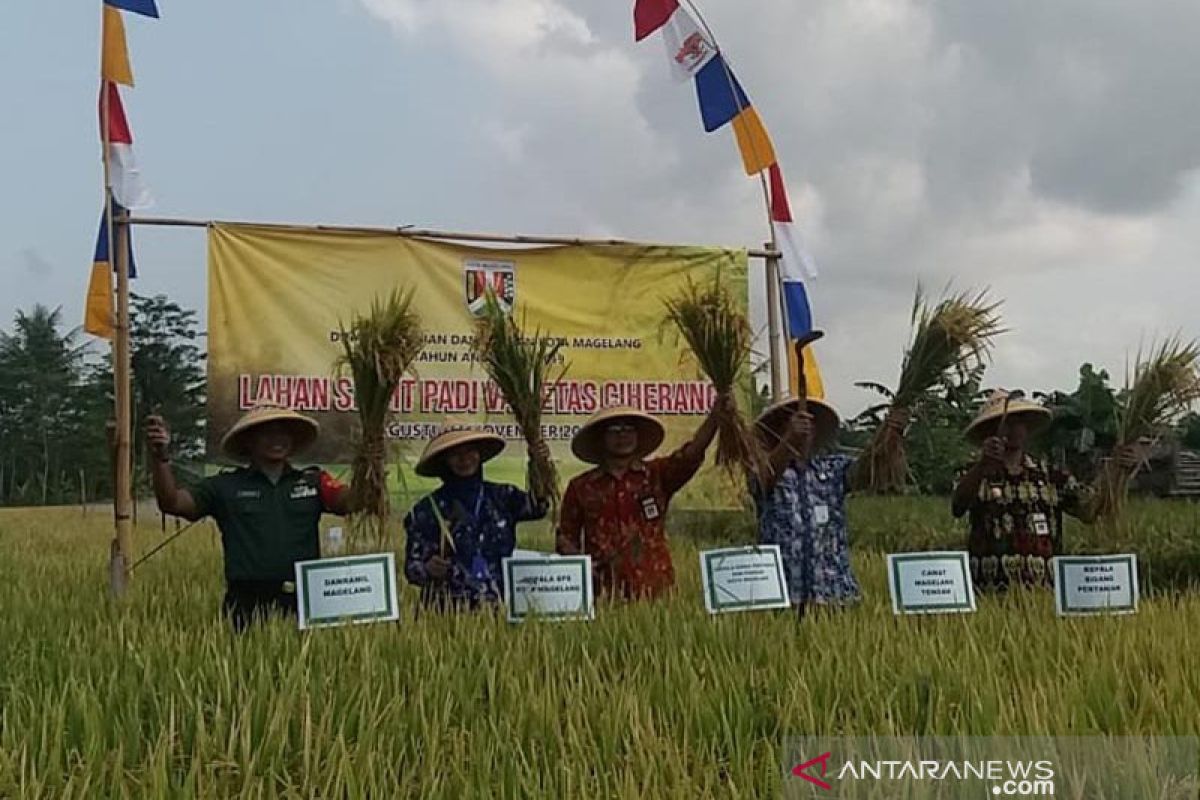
(1046, 150)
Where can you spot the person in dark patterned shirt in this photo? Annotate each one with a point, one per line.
(801, 504)
(458, 535)
(615, 513)
(1015, 503)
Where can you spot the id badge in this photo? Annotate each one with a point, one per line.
(821, 514)
(1040, 525)
(650, 508)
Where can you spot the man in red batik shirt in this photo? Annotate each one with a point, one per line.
(615, 512)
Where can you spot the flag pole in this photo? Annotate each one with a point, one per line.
(773, 331)
(121, 551)
(123, 498)
(773, 277)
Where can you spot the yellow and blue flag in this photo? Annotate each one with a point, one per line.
(114, 54)
(98, 312)
(146, 8)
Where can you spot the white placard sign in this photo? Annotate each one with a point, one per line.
(743, 579)
(930, 583)
(548, 587)
(519, 553)
(342, 591)
(1095, 584)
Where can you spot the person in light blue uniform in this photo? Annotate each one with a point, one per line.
(801, 503)
(458, 536)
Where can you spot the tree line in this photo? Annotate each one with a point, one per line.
(1082, 432)
(56, 389)
(56, 400)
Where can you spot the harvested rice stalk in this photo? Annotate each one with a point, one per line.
(378, 349)
(948, 339)
(524, 366)
(1164, 386)
(719, 336)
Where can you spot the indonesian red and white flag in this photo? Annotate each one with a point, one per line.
(798, 262)
(124, 175)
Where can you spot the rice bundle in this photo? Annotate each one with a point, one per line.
(522, 366)
(719, 336)
(948, 340)
(1165, 386)
(378, 349)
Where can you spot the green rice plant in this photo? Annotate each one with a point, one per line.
(152, 696)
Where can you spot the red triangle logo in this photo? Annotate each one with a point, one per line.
(801, 770)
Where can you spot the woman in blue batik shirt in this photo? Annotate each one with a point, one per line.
(458, 534)
(801, 504)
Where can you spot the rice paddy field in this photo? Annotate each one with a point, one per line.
(152, 696)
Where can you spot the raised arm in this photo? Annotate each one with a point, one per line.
(170, 497)
(794, 444)
(989, 464)
(695, 449)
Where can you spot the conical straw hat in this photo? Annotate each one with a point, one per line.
(825, 419)
(431, 463)
(588, 443)
(988, 419)
(235, 442)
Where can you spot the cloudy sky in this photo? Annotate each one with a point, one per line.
(1049, 150)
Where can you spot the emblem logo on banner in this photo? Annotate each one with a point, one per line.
(499, 276)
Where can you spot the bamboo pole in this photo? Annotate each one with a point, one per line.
(778, 370)
(120, 552)
(123, 494)
(407, 231)
(770, 248)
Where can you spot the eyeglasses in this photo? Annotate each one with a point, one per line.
(619, 428)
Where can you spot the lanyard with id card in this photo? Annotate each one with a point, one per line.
(648, 501)
(650, 510)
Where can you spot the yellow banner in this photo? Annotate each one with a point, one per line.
(277, 298)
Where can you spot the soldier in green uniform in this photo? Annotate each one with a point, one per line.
(267, 512)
